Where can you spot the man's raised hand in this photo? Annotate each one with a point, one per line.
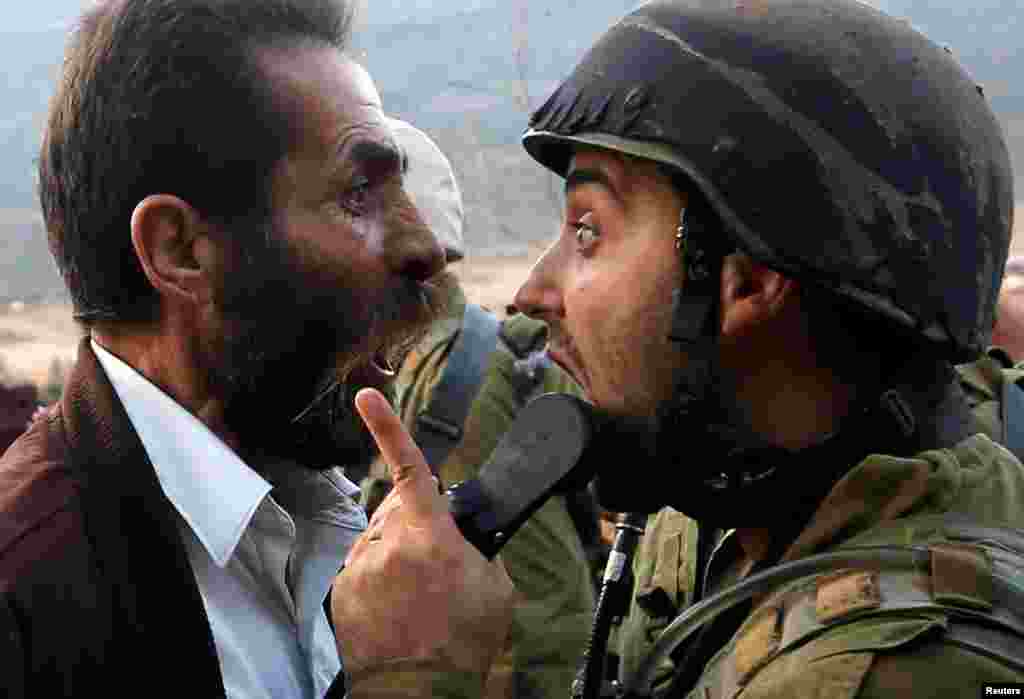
(413, 589)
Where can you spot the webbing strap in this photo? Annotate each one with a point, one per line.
(980, 569)
(439, 427)
(789, 619)
(959, 583)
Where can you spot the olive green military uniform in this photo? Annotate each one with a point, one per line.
(849, 635)
(664, 575)
(545, 559)
(894, 634)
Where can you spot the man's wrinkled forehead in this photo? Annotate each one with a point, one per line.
(326, 93)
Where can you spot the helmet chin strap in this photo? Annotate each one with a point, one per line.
(699, 415)
(726, 474)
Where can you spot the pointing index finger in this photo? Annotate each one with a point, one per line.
(410, 474)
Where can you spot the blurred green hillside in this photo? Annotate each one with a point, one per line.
(467, 71)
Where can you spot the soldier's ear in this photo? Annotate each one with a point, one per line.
(171, 243)
(752, 294)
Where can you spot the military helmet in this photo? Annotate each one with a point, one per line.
(834, 143)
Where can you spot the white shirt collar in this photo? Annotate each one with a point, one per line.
(215, 492)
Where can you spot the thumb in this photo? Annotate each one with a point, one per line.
(410, 474)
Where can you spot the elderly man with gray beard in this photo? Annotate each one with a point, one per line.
(224, 199)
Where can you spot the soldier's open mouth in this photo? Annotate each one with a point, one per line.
(562, 358)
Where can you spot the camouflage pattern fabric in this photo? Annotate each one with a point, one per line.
(837, 635)
(664, 574)
(545, 559)
(881, 655)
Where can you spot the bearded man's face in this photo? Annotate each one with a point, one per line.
(313, 303)
(296, 342)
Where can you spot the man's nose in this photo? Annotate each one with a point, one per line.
(423, 257)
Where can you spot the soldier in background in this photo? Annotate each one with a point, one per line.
(458, 391)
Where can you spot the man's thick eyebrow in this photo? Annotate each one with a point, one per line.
(583, 176)
(375, 154)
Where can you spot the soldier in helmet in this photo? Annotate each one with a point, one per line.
(786, 221)
(664, 569)
(458, 391)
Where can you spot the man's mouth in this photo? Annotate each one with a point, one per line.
(377, 371)
(395, 331)
(382, 369)
(383, 366)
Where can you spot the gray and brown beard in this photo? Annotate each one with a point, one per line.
(289, 334)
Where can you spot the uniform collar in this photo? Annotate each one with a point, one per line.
(883, 488)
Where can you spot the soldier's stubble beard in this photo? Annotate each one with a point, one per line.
(653, 459)
(290, 328)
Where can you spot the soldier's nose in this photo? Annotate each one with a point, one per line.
(541, 294)
(539, 297)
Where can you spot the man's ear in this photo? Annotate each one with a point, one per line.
(752, 294)
(167, 234)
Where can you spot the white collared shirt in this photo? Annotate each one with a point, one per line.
(263, 560)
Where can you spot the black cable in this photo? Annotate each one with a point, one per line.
(613, 602)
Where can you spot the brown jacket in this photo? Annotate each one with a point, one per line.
(17, 403)
(97, 597)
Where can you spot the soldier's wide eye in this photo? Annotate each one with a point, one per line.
(586, 233)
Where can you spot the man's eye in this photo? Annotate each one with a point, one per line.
(356, 196)
(586, 233)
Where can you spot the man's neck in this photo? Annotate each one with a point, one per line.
(167, 363)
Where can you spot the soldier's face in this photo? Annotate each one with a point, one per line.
(606, 290)
(337, 279)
